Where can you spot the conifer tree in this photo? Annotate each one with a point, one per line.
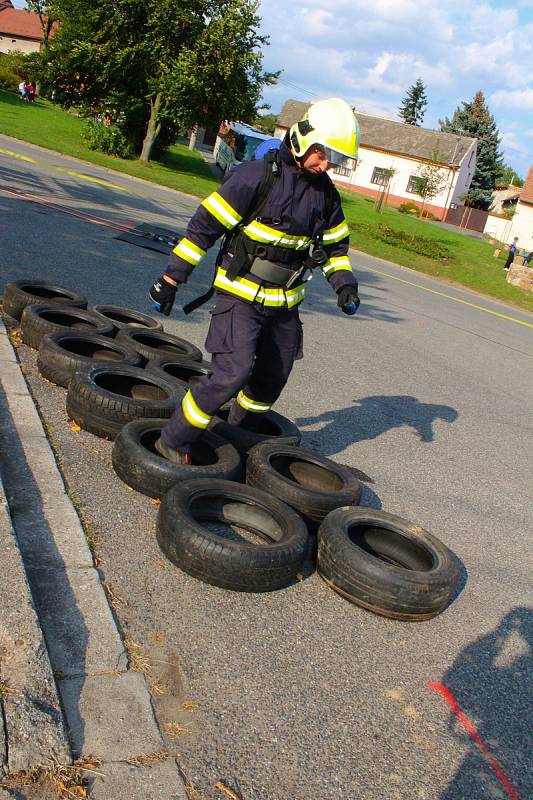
(414, 104)
(474, 119)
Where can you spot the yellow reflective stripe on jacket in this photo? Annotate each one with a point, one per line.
(221, 210)
(259, 232)
(248, 290)
(189, 251)
(251, 405)
(335, 264)
(332, 235)
(240, 287)
(192, 413)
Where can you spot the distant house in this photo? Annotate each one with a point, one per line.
(522, 221)
(504, 197)
(390, 155)
(20, 30)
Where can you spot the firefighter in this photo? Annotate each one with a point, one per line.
(255, 333)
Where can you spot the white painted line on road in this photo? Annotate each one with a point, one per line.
(451, 297)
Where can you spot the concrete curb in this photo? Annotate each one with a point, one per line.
(107, 709)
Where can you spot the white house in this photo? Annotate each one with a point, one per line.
(20, 30)
(390, 155)
(522, 221)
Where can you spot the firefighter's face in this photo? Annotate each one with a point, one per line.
(315, 160)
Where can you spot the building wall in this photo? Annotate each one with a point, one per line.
(10, 43)
(522, 226)
(498, 228)
(360, 180)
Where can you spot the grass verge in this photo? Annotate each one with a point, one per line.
(418, 244)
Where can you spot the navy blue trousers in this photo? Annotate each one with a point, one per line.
(253, 350)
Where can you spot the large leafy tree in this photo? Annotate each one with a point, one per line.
(160, 65)
(474, 119)
(47, 14)
(414, 104)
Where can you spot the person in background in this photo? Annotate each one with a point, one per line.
(30, 88)
(512, 252)
(255, 334)
(23, 90)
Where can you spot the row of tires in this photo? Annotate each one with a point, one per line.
(124, 376)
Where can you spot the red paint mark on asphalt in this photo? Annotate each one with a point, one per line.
(461, 716)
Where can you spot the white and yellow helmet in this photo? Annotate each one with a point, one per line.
(332, 125)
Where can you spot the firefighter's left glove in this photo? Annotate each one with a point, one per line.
(163, 294)
(347, 298)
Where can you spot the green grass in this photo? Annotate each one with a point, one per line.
(465, 261)
(470, 261)
(46, 125)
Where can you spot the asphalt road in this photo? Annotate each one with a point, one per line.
(298, 694)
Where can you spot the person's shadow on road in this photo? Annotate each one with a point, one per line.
(369, 418)
(491, 682)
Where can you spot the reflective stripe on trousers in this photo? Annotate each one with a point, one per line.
(253, 349)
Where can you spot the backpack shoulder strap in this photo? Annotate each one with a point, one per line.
(271, 171)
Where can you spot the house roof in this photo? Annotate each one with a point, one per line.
(527, 189)
(23, 24)
(396, 137)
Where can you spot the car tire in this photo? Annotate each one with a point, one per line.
(140, 466)
(180, 369)
(19, 294)
(272, 427)
(213, 558)
(386, 564)
(126, 317)
(61, 355)
(311, 484)
(39, 321)
(103, 398)
(153, 344)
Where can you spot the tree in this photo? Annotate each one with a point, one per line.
(474, 119)
(48, 16)
(430, 179)
(266, 122)
(158, 65)
(508, 175)
(414, 104)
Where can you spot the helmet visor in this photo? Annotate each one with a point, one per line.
(333, 157)
(338, 159)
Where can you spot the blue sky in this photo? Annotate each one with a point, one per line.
(370, 53)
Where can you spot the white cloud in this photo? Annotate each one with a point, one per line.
(520, 99)
(510, 141)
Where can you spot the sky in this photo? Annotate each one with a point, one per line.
(370, 53)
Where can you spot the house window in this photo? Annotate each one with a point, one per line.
(415, 185)
(342, 171)
(380, 176)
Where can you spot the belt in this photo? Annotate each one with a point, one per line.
(273, 273)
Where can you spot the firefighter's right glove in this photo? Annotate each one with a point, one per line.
(163, 294)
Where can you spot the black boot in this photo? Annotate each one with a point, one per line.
(179, 456)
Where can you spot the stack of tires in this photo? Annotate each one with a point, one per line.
(124, 376)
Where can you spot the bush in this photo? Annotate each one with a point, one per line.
(409, 207)
(107, 138)
(8, 79)
(428, 215)
(416, 243)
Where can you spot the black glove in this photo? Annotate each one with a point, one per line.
(346, 296)
(163, 294)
